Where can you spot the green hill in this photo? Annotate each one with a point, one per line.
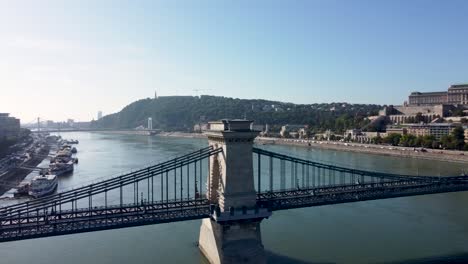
(181, 113)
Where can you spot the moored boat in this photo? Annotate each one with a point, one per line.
(63, 156)
(43, 185)
(61, 168)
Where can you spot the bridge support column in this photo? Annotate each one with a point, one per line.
(231, 243)
(232, 233)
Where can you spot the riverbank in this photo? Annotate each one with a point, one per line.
(428, 154)
(181, 135)
(405, 152)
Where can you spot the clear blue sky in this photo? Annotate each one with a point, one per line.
(69, 59)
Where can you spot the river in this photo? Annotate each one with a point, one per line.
(410, 229)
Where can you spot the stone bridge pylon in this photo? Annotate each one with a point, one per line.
(232, 233)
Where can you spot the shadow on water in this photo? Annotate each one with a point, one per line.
(273, 258)
(459, 258)
(453, 258)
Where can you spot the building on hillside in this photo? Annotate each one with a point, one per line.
(294, 134)
(371, 135)
(367, 137)
(418, 130)
(409, 114)
(438, 130)
(430, 98)
(396, 130)
(357, 135)
(352, 134)
(99, 115)
(456, 94)
(327, 135)
(428, 107)
(272, 108)
(200, 127)
(303, 133)
(286, 130)
(9, 126)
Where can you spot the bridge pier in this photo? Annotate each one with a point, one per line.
(231, 243)
(232, 233)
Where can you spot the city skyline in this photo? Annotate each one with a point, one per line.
(71, 60)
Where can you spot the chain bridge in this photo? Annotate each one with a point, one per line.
(230, 184)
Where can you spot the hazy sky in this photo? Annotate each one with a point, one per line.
(69, 59)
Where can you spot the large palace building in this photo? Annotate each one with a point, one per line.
(456, 95)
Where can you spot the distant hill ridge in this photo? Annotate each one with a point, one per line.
(181, 113)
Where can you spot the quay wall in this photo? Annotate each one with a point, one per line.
(430, 154)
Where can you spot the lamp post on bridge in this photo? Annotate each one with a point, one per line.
(232, 233)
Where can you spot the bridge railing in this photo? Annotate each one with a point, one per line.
(279, 172)
(178, 179)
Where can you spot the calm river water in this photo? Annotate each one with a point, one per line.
(414, 229)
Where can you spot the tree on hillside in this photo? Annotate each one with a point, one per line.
(392, 139)
(183, 112)
(419, 118)
(408, 140)
(458, 112)
(447, 142)
(377, 140)
(458, 137)
(427, 141)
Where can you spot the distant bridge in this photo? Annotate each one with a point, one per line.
(129, 131)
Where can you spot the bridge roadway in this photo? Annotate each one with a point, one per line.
(52, 223)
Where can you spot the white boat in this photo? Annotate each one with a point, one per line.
(71, 141)
(43, 185)
(64, 153)
(61, 168)
(63, 156)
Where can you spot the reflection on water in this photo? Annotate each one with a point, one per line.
(397, 230)
(461, 258)
(279, 259)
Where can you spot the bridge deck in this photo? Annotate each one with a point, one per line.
(52, 223)
(44, 224)
(298, 198)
